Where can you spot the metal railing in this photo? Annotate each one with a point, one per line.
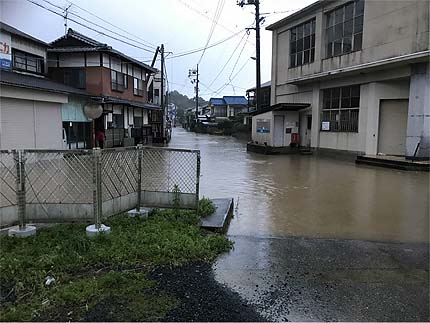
(84, 185)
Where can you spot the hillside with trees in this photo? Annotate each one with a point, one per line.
(183, 102)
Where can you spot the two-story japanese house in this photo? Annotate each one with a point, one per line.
(350, 76)
(115, 80)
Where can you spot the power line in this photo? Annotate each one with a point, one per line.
(109, 23)
(231, 56)
(201, 49)
(217, 15)
(90, 28)
(100, 26)
(231, 79)
(235, 64)
(207, 17)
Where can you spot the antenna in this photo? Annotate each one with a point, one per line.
(66, 12)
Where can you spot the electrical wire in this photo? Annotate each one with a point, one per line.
(90, 28)
(109, 23)
(228, 61)
(100, 26)
(238, 58)
(217, 15)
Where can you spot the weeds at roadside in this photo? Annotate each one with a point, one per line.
(91, 272)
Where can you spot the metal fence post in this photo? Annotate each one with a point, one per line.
(139, 176)
(19, 158)
(198, 181)
(97, 187)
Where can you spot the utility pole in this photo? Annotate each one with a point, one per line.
(194, 75)
(242, 3)
(197, 94)
(162, 93)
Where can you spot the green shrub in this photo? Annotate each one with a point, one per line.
(206, 207)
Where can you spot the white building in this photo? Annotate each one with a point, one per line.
(350, 76)
(30, 104)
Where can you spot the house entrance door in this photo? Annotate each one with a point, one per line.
(393, 119)
(278, 132)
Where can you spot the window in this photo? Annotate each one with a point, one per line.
(117, 121)
(28, 62)
(220, 111)
(340, 109)
(118, 81)
(344, 31)
(137, 87)
(75, 77)
(138, 122)
(302, 44)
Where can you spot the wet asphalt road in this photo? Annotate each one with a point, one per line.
(298, 279)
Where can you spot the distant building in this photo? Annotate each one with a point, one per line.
(32, 107)
(227, 106)
(350, 76)
(264, 96)
(118, 83)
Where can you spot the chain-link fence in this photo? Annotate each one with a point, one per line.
(81, 185)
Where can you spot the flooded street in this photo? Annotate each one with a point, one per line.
(319, 239)
(305, 196)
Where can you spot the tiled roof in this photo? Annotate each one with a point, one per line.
(37, 83)
(91, 46)
(235, 100)
(217, 101)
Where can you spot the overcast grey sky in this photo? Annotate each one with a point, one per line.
(182, 25)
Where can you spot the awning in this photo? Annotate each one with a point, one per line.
(112, 100)
(282, 107)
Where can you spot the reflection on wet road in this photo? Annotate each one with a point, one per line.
(308, 196)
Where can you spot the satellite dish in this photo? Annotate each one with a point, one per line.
(93, 111)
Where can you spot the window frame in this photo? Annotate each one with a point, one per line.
(115, 84)
(28, 57)
(138, 91)
(340, 102)
(335, 33)
(301, 51)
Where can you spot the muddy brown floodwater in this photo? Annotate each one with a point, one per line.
(308, 196)
(318, 239)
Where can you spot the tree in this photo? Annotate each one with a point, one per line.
(183, 102)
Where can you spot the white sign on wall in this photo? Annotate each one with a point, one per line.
(5, 51)
(325, 126)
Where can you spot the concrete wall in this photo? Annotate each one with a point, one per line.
(391, 29)
(418, 129)
(83, 212)
(262, 138)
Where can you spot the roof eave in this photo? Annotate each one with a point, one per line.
(296, 15)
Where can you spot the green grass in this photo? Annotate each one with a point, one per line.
(93, 272)
(206, 207)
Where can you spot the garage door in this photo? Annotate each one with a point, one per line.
(393, 120)
(26, 124)
(17, 124)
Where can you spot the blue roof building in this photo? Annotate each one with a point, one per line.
(235, 100)
(228, 106)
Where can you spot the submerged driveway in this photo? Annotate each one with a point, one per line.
(303, 232)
